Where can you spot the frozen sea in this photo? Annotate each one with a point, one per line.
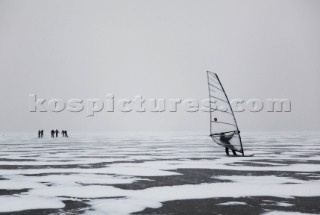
(185, 174)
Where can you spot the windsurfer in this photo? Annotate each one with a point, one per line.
(226, 141)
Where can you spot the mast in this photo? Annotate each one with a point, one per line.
(209, 102)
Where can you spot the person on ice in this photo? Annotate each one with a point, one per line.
(226, 141)
(57, 132)
(52, 133)
(64, 133)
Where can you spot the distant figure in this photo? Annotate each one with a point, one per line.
(64, 133)
(57, 132)
(39, 133)
(52, 133)
(226, 140)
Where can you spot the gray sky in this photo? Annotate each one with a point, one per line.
(86, 49)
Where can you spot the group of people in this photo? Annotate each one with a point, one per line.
(54, 133)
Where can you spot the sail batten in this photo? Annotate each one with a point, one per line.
(223, 125)
(216, 87)
(218, 99)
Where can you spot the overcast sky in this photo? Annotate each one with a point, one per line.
(158, 49)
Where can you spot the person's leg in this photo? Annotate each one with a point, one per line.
(234, 152)
(227, 151)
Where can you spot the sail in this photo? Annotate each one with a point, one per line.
(223, 125)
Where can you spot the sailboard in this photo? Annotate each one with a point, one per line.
(223, 125)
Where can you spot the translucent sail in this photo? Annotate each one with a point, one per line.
(223, 126)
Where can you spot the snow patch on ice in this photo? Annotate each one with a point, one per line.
(284, 204)
(123, 206)
(18, 185)
(75, 179)
(233, 203)
(90, 191)
(286, 213)
(15, 203)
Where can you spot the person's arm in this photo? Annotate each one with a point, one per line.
(230, 137)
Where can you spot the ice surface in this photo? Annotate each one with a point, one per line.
(151, 196)
(124, 174)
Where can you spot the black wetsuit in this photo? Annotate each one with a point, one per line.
(226, 141)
